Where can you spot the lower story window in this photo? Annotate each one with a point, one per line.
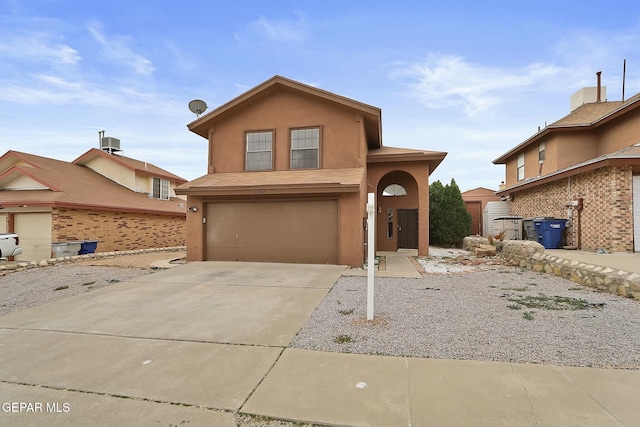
(389, 223)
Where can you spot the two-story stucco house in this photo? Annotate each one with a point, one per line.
(289, 169)
(121, 202)
(585, 168)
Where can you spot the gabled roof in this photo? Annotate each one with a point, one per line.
(586, 117)
(74, 186)
(305, 181)
(129, 163)
(372, 115)
(623, 157)
(394, 154)
(479, 190)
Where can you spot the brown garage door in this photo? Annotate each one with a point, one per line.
(283, 231)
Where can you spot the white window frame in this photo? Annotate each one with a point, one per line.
(394, 190)
(520, 169)
(161, 188)
(541, 152)
(267, 148)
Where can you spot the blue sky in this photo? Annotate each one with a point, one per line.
(470, 78)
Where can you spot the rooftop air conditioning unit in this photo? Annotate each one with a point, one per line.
(110, 144)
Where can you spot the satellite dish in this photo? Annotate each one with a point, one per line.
(197, 106)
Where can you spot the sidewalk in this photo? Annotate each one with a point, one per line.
(364, 390)
(619, 261)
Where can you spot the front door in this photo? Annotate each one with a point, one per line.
(407, 228)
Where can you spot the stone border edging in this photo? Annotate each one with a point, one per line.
(606, 279)
(526, 255)
(531, 255)
(21, 266)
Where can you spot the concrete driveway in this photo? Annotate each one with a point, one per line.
(159, 349)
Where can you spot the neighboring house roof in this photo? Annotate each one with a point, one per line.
(478, 190)
(587, 116)
(62, 184)
(371, 115)
(625, 156)
(129, 163)
(276, 182)
(393, 154)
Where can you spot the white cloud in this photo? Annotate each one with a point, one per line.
(450, 81)
(38, 47)
(116, 48)
(280, 31)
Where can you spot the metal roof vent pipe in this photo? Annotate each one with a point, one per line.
(599, 86)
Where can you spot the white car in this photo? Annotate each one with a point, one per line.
(9, 245)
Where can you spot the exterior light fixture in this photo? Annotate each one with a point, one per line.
(193, 209)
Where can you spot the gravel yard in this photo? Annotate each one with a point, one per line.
(505, 314)
(24, 289)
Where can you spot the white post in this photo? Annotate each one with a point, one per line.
(371, 252)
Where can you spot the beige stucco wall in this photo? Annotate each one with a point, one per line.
(118, 231)
(23, 182)
(620, 134)
(113, 171)
(415, 175)
(607, 217)
(567, 148)
(480, 195)
(280, 112)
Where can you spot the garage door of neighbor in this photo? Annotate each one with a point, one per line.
(283, 231)
(34, 231)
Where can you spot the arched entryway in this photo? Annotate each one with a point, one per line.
(397, 201)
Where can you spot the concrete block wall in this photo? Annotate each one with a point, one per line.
(607, 218)
(118, 231)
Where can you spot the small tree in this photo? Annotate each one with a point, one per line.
(449, 221)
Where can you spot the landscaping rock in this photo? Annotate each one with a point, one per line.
(485, 251)
(471, 242)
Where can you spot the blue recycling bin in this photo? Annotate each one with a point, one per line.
(550, 232)
(88, 247)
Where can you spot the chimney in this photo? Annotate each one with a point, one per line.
(599, 87)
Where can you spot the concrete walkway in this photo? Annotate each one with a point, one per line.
(629, 262)
(397, 264)
(200, 342)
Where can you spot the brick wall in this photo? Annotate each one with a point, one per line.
(118, 231)
(607, 217)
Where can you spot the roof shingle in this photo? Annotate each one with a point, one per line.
(74, 185)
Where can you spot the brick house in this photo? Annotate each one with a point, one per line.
(121, 202)
(289, 169)
(584, 167)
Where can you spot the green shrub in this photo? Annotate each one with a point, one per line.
(449, 221)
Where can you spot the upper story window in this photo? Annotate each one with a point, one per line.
(520, 166)
(160, 188)
(259, 151)
(305, 148)
(541, 150)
